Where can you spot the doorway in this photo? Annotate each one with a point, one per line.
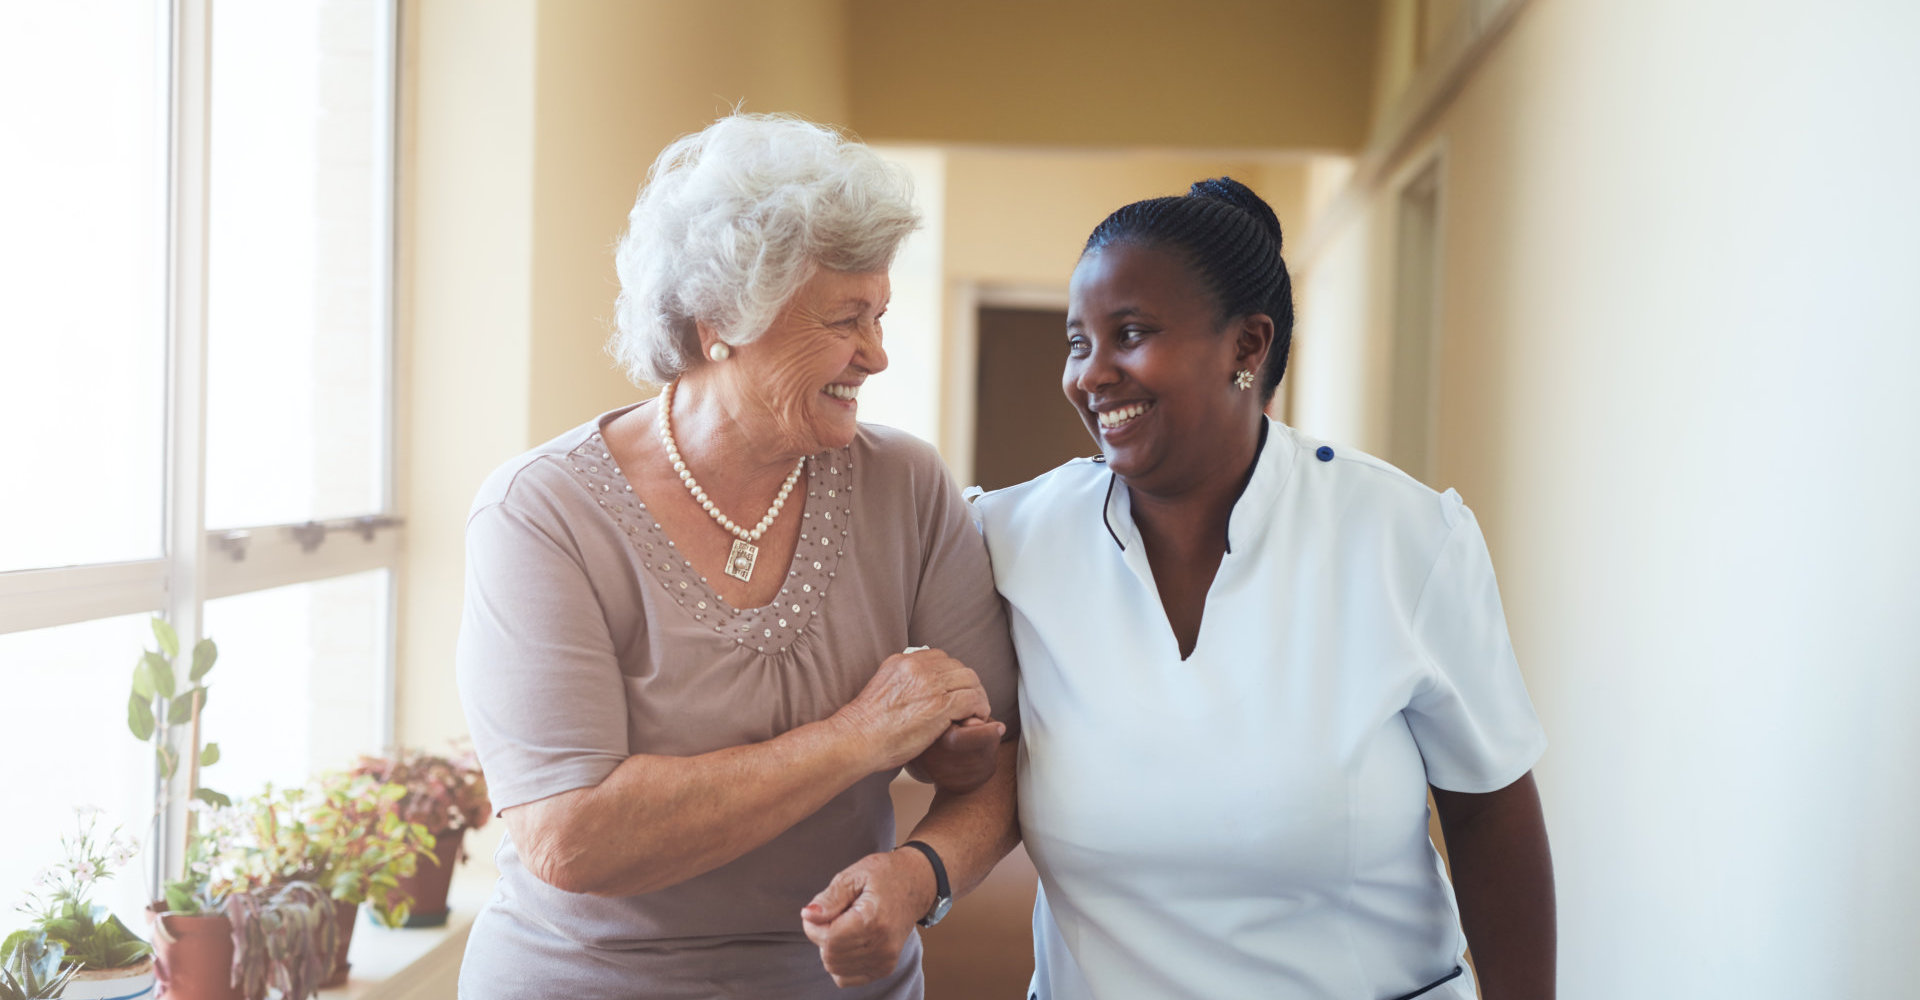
(1022, 424)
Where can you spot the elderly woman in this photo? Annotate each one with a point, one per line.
(684, 656)
(1246, 656)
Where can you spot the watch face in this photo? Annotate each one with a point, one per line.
(940, 908)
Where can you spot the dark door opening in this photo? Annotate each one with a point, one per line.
(1023, 425)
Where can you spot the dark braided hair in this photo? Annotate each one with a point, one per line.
(1231, 239)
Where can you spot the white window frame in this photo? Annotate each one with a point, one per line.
(198, 565)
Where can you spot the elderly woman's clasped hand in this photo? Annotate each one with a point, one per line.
(862, 919)
(927, 708)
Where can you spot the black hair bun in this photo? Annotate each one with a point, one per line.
(1241, 197)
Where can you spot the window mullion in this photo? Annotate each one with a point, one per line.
(188, 154)
(386, 256)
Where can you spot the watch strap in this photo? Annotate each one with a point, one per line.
(942, 890)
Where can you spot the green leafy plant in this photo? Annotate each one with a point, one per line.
(62, 911)
(445, 793)
(340, 833)
(284, 940)
(157, 707)
(366, 846)
(157, 704)
(31, 968)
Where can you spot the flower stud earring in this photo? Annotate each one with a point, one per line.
(719, 351)
(1243, 379)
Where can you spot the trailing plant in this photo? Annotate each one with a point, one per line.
(284, 939)
(445, 793)
(61, 908)
(30, 968)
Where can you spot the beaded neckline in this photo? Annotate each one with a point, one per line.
(826, 519)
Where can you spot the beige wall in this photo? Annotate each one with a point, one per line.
(1019, 217)
(1679, 331)
(1237, 74)
(464, 311)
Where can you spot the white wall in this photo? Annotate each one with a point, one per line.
(1682, 327)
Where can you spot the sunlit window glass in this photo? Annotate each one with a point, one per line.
(297, 688)
(82, 281)
(297, 348)
(67, 745)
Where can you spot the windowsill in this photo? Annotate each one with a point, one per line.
(422, 962)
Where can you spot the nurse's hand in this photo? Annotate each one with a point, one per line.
(962, 759)
(912, 699)
(862, 919)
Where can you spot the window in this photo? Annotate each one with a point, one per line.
(195, 396)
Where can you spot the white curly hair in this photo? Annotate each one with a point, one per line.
(733, 219)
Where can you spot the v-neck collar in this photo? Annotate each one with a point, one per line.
(826, 519)
(1247, 522)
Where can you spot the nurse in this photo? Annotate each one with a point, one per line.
(1246, 656)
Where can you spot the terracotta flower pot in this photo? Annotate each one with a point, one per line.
(133, 982)
(343, 914)
(429, 883)
(192, 955)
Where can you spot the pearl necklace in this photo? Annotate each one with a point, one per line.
(745, 553)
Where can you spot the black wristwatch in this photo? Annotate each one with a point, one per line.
(942, 892)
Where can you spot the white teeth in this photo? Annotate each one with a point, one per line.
(1114, 418)
(846, 392)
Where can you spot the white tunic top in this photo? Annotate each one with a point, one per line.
(1252, 821)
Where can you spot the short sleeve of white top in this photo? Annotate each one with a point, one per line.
(1252, 821)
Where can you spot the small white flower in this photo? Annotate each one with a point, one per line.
(85, 873)
(88, 813)
(46, 877)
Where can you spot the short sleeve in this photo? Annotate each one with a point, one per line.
(956, 607)
(539, 681)
(1472, 720)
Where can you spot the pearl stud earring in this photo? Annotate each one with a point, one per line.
(1243, 379)
(719, 352)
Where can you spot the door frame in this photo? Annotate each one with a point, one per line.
(960, 363)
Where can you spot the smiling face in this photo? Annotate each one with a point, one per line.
(1150, 369)
(798, 383)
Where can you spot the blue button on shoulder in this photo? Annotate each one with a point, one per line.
(1325, 454)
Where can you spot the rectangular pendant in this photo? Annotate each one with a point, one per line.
(740, 561)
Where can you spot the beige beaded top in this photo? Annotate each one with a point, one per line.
(587, 638)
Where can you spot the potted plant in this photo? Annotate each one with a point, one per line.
(281, 933)
(30, 968)
(107, 959)
(362, 849)
(447, 796)
(280, 940)
(337, 833)
(192, 937)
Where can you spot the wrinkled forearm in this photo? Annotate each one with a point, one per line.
(657, 821)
